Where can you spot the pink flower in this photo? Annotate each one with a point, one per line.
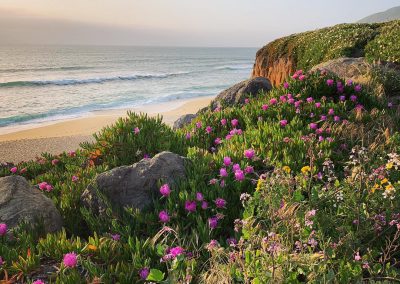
(353, 98)
(291, 101)
(357, 88)
(329, 82)
(320, 138)
(323, 117)
(283, 99)
(165, 190)
(198, 124)
(331, 111)
(13, 170)
(1, 261)
(74, 178)
(144, 272)
(217, 141)
(249, 170)
(116, 237)
(357, 256)
(208, 129)
(273, 101)
(3, 229)
(49, 187)
(246, 101)
(175, 251)
(286, 85)
(190, 206)
(204, 205)
(249, 154)
(297, 104)
(70, 259)
(309, 100)
(136, 130)
(213, 244)
(235, 122)
(336, 118)
(38, 282)
(55, 162)
(313, 125)
(72, 153)
(223, 172)
(220, 203)
(223, 121)
(265, 107)
(42, 185)
(24, 170)
(236, 167)
(188, 136)
(227, 161)
(199, 196)
(302, 77)
(164, 217)
(239, 175)
(318, 105)
(283, 123)
(213, 222)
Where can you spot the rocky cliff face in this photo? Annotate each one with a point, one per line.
(283, 56)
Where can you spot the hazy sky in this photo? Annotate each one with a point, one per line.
(172, 22)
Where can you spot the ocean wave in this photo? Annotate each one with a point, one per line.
(235, 67)
(66, 82)
(62, 68)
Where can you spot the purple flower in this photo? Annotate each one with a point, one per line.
(190, 206)
(144, 272)
(239, 175)
(313, 125)
(249, 170)
(208, 129)
(342, 98)
(357, 88)
(1, 261)
(236, 167)
(198, 124)
(165, 190)
(188, 136)
(329, 82)
(323, 117)
(116, 237)
(235, 122)
(283, 123)
(223, 172)
(3, 229)
(164, 217)
(204, 205)
(353, 98)
(70, 259)
(227, 161)
(249, 154)
(213, 222)
(175, 251)
(199, 196)
(220, 203)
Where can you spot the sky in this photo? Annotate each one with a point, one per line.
(227, 23)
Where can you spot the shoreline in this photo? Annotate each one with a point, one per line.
(23, 143)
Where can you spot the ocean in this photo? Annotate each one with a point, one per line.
(44, 83)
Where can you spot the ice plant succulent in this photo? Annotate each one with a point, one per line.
(70, 259)
(220, 203)
(164, 217)
(144, 273)
(190, 206)
(3, 229)
(165, 190)
(249, 154)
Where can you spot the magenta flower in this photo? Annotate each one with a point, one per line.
(116, 237)
(198, 124)
(283, 123)
(357, 88)
(165, 190)
(295, 76)
(246, 101)
(208, 129)
(49, 187)
(223, 172)
(310, 100)
(190, 206)
(13, 170)
(323, 117)
(72, 153)
(204, 205)
(43, 185)
(188, 136)
(213, 222)
(136, 130)
(55, 162)
(313, 126)
(144, 272)
(38, 282)
(223, 121)
(331, 111)
(249, 170)
(336, 118)
(297, 104)
(286, 85)
(70, 259)
(175, 251)
(3, 229)
(220, 203)
(236, 167)
(249, 154)
(217, 141)
(199, 196)
(227, 161)
(235, 122)
(329, 82)
(320, 138)
(302, 77)
(1, 261)
(239, 175)
(353, 98)
(283, 99)
(273, 101)
(164, 217)
(291, 101)
(318, 105)
(74, 178)
(265, 107)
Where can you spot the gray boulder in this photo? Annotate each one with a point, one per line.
(19, 202)
(239, 92)
(133, 186)
(184, 120)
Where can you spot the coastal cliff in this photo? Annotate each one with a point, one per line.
(281, 57)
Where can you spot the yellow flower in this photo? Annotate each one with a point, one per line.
(376, 186)
(287, 169)
(305, 169)
(259, 184)
(389, 165)
(389, 187)
(385, 180)
(92, 247)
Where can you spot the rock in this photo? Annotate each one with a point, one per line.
(239, 92)
(184, 120)
(133, 186)
(19, 201)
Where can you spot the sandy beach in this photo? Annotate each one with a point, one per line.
(24, 143)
